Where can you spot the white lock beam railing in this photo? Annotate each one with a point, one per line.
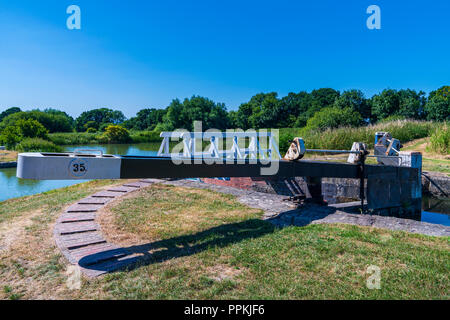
(234, 143)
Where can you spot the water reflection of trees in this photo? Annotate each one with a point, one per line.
(138, 149)
(436, 205)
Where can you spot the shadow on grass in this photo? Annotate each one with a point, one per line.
(159, 251)
(187, 245)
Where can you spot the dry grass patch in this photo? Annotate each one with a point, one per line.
(8, 156)
(31, 266)
(222, 272)
(162, 212)
(431, 161)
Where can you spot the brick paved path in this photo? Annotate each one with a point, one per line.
(78, 235)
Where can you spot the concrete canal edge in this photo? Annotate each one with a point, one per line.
(436, 184)
(79, 237)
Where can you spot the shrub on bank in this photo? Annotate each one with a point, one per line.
(29, 128)
(116, 134)
(37, 145)
(9, 137)
(440, 140)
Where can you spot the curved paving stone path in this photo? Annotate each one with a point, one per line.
(79, 236)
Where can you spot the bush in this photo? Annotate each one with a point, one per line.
(103, 126)
(37, 145)
(31, 129)
(116, 134)
(334, 117)
(91, 130)
(10, 136)
(440, 140)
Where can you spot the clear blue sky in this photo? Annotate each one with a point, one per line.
(135, 54)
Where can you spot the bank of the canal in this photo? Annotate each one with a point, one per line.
(9, 164)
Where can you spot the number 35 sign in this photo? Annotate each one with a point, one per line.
(78, 167)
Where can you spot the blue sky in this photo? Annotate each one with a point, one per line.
(135, 54)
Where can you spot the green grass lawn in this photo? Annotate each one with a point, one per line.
(203, 245)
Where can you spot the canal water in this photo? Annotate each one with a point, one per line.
(434, 210)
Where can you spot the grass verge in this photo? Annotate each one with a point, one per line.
(201, 244)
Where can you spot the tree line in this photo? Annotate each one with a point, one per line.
(319, 109)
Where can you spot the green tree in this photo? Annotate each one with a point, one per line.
(293, 109)
(146, 119)
(9, 111)
(242, 116)
(443, 91)
(53, 122)
(406, 103)
(262, 111)
(10, 136)
(411, 104)
(385, 104)
(100, 116)
(61, 113)
(334, 117)
(265, 108)
(438, 108)
(438, 104)
(320, 98)
(355, 100)
(182, 115)
(232, 119)
(325, 97)
(31, 128)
